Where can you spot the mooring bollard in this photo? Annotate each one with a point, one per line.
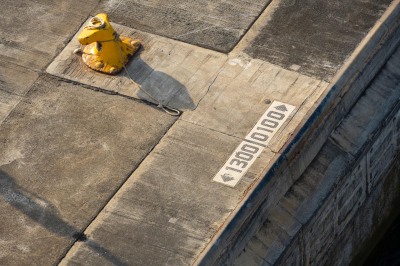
(105, 51)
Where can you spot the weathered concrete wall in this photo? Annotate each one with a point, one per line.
(345, 194)
(380, 207)
(280, 209)
(68, 180)
(363, 197)
(381, 243)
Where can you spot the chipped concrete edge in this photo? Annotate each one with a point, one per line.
(345, 88)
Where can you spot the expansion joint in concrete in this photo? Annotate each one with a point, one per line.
(101, 90)
(81, 236)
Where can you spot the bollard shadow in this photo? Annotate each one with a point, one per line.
(46, 214)
(161, 86)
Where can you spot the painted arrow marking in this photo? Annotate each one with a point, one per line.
(254, 143)
(281, 108)
(227, 177)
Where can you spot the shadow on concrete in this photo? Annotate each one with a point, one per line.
(46, 214)
(159, 85)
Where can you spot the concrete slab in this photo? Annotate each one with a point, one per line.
(33, 32)
(216, 25)
(169, 209)
(313, 37)
(163, 206)
(15, 81)
(184, 77)
(175, 73)
(242, 92)
(64, 151)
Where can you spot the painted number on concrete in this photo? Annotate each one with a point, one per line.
(254, 143)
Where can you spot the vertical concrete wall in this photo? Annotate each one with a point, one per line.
(351, 218)
(303, 202)
(370, 222)
(345, 194)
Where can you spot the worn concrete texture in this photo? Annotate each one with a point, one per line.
(216, 25)
(241, 91)
(207, 85)
(64, 151)
(379, 213)
(94, 176)
(166, 71)
(169, 208)
(31, 34)
(315, 36)
(229, 93)
(320, 210)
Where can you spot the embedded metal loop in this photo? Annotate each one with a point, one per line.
(170, 110)
(96, 62)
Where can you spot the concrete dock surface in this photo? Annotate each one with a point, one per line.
(92, 172)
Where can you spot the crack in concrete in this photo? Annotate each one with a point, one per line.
(212, 83)
(212, 129)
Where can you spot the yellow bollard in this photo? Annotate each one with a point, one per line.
(105, 50)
